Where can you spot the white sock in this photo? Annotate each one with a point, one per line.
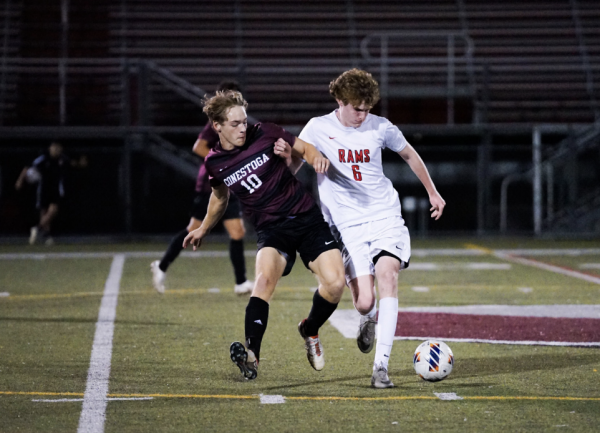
(373, 312)
(386, 329)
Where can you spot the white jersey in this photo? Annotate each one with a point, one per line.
(355, 190)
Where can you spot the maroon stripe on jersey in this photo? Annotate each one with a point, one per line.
(260, 179)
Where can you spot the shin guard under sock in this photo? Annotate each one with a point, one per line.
(173, 251)
(236, 254)
(257, 316)
(321, 311)
(386, 329)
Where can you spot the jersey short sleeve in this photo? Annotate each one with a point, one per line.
(307, 133)
(37, 163)
(213, 180)
(393, 137)
(277, 131)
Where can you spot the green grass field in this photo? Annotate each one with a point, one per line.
(170, 370)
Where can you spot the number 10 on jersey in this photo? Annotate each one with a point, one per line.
(253, 183)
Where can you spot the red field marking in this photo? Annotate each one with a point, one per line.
(489, 327)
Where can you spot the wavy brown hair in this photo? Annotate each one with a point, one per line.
(215, 107)
(355, 87)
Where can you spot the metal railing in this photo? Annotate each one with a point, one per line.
(456, 62)
(573, 145)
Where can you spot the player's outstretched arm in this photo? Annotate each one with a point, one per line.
(416, 164)
(216, 208)
(21, 178)
(284, 150)
(310, 154)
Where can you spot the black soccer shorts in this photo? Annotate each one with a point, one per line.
(306, 233)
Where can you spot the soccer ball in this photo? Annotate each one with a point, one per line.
(433, 360)
(32, 175)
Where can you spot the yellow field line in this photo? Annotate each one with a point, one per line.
(479, 248)
(314, 398)
(532, 398)
(55, 394)
(86, 294)
(180, 292)
(50, 296)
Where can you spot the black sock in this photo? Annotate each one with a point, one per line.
(257, 316)
(173, 251)
(319, 313)
(236, 254)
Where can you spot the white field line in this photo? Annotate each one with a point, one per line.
(547, 267)
(347, 321)
(447, 396)
(93, 413)
(477, 266)
(429, 252)
(565, 311)
(466, 252)
(271, 399)
(590, 266)
(552, 252)
(108, 255)
(515, 342)
(70, 400)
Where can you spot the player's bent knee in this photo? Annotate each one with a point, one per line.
(335, 280)
(235, 228)
(237, 235)
(364, 305)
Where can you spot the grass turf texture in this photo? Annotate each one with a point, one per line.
(175, 347)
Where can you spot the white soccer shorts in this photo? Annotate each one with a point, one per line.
(363, 242)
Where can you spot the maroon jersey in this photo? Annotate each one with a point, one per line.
(210, 135)
(260, 179)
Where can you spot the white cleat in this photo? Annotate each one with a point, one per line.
(33, 234)
(246, 287)
(158, 277)
(314, 349)
(380, 378)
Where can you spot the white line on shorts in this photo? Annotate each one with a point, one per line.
(93, 413)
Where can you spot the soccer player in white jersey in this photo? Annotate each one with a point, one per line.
(363, 209)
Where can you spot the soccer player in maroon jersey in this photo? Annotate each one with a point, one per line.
(286, 218)
(232, 220)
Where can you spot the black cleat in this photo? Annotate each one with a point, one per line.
(366, 334)
(244, 359)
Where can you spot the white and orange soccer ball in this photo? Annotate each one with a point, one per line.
(433, 360)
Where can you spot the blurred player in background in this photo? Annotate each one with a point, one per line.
(363, 209)
(232, 218)
(49, 171)
(286, 218)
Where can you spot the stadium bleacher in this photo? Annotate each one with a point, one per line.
(534, 61)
